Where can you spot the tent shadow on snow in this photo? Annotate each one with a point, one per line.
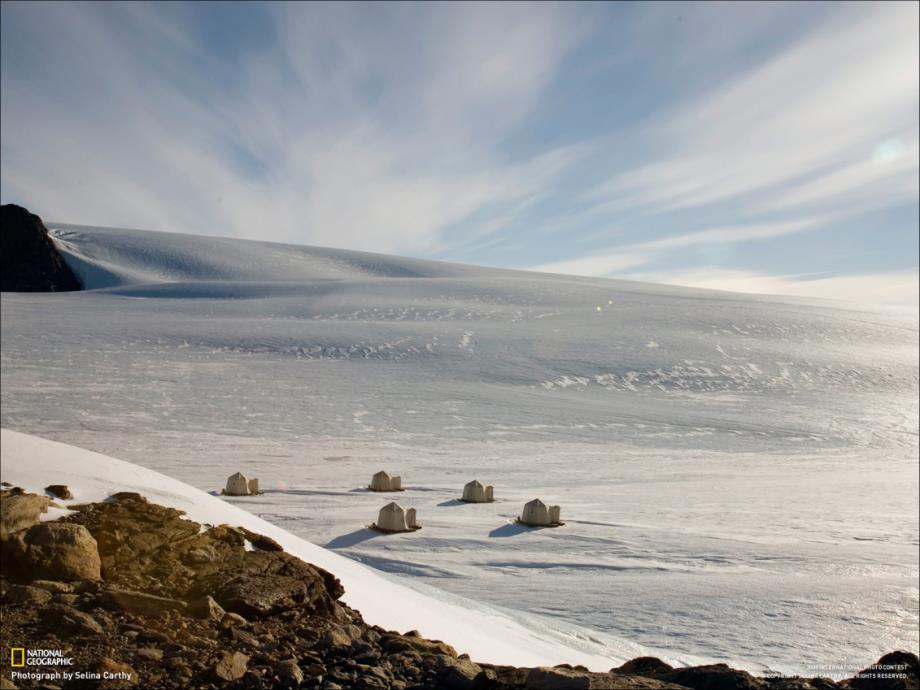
(343, 541)
(304, 492)
(511, 529)
(451, 502)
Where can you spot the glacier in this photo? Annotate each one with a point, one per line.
(738, 474)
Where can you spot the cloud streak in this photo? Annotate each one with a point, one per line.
(591, 139)
(810, 116)
(330, 163)
(899, 288)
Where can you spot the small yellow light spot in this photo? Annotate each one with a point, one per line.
(598, 308)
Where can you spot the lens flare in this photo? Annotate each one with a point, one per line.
(887, 151)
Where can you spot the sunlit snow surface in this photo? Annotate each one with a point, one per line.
(488, 634)
(738, 475)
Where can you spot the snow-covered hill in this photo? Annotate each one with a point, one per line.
(488, 635)
(738, 474)
(582, 347)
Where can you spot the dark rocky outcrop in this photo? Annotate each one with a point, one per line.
(182, 607)
(565, 678)
(61, 491)
(29, 261)
(895, 671)
(644, 666)
(713, 677)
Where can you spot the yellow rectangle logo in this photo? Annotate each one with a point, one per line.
(19, 652)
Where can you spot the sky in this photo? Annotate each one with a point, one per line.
(754, 147)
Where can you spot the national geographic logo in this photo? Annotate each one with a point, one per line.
(40, 665)
(21, 657)
(53, 666)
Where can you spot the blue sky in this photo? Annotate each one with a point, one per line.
(760, 147)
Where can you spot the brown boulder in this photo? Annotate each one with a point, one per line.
(557, 679)
(289, 673)
(455, 673)
(260, 541)
(244, 638)
(231, 666)
(395, 644)
(28, 596)
(120, 675)
(337, 637)
(52, 551)
(59, 491)
(19, 511)
(140, 603)
(271, 581)
(206, 607)
(233, 620)
(75, 621)
(713, 677)
(53, 586)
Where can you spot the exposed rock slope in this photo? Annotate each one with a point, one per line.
(135, 590)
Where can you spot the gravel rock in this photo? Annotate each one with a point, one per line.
(231, 666)
(53, 586)
(150, 653)
(289, 673)
(206, 607)
(25, 595)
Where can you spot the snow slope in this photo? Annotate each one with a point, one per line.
(738, 474)
(121, 257)
(487, 635)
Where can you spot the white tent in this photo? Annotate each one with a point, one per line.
(253, 485)
(475, 492)
(237, 485)
(381, 481)
(394, 518)
(538, 514)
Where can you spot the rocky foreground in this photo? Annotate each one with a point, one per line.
(134, 594)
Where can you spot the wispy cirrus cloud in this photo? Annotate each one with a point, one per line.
(811, 117)
(896, 288)
(813, 138)
(593, 139)
(338, 131)
(629, 256)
